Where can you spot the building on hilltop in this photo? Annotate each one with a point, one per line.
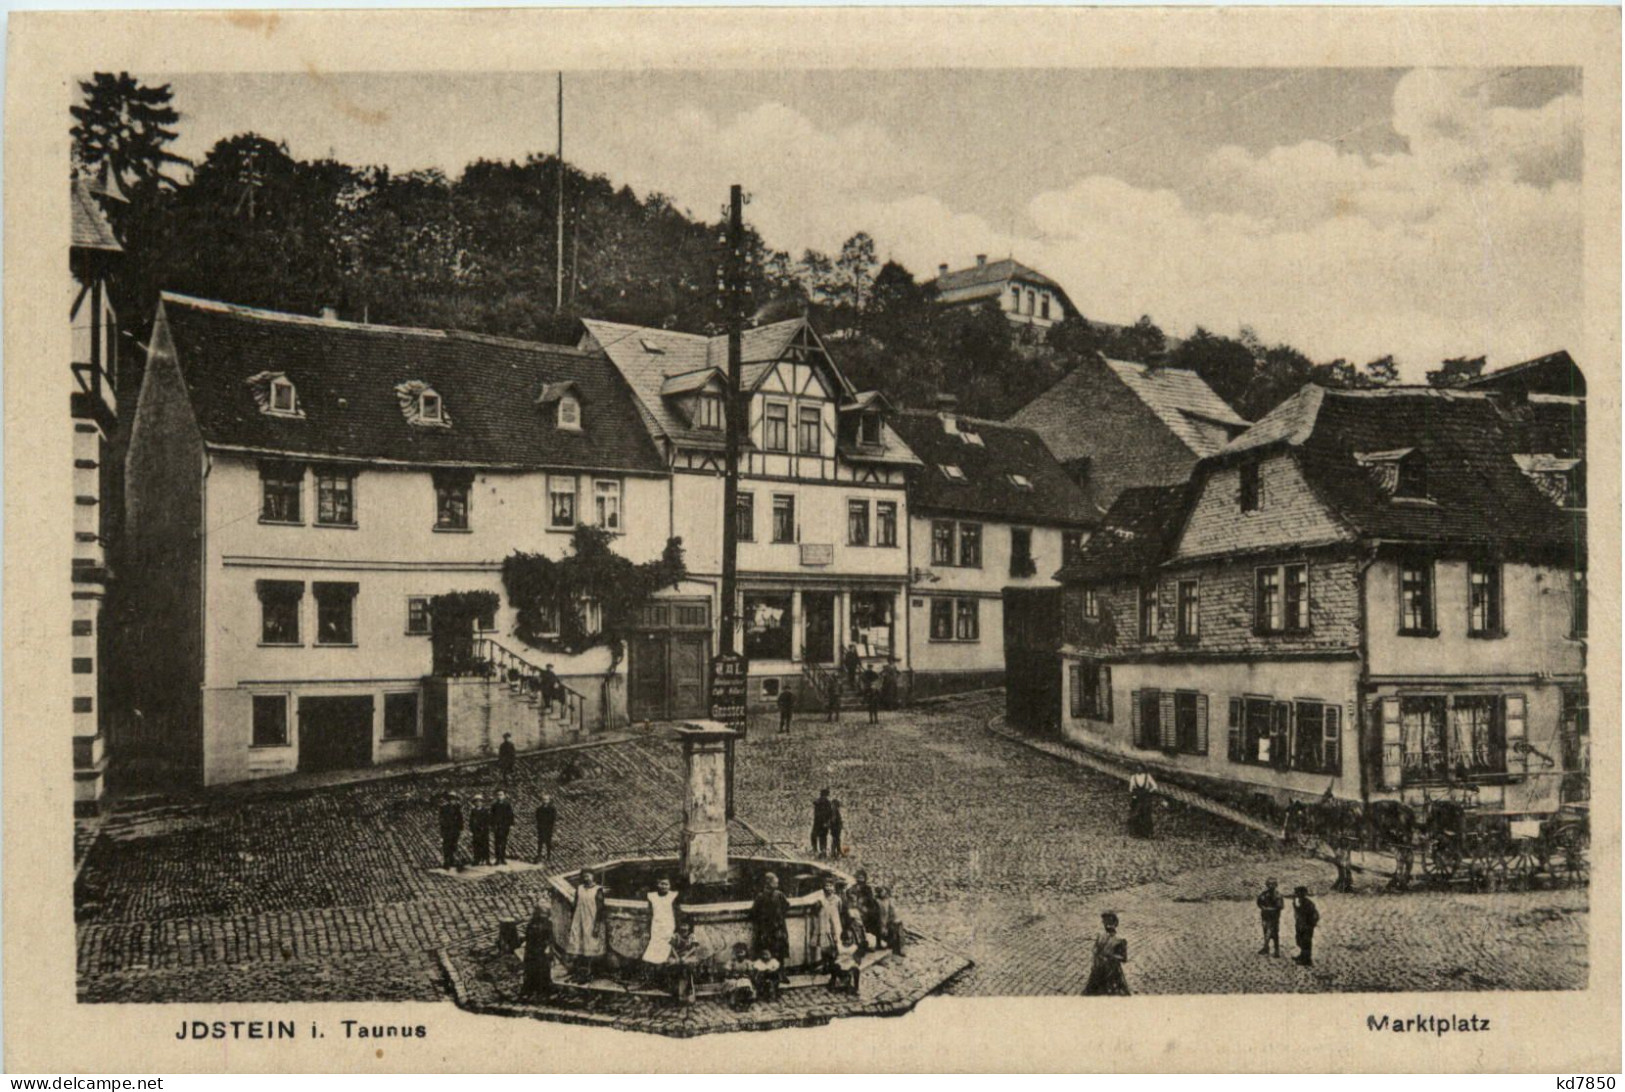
(1378, 593)
(1553, 375)
(1116, 424)
(1026, 296)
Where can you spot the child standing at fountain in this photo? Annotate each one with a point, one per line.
(662, 926)
(585, 943)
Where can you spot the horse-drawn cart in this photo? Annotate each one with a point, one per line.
(1446, 841)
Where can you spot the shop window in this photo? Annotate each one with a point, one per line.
(270, 720)
(767, 625)
(871, 624)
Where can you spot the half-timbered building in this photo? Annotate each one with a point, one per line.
(823, 507)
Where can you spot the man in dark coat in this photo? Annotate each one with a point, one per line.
(850, 661)
(1270, 906)
(768, 914)
(538, 954)
(871, 693)
(501, 824)
(451, 829)
(835, 824)
(479, 829)
(546, 816)
(787, 706)
(506, 756)
(1304, 919)
(820, 831)
(552, 690)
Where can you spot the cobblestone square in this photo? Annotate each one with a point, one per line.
(1000, 854)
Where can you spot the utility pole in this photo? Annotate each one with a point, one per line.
(558, 291)
(733, 288)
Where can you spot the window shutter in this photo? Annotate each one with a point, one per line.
(1201, 723)
(1517, 729)
(1134, 716)
(1235, 729)
(1106, 691)
(1280, 729)
(1075, 677)
(1165, 721)
(1393, 744)
(1332, 748)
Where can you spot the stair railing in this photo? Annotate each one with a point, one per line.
(492, 660)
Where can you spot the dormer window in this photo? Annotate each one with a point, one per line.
(1020, 481)
(1400, 473)
(282, 396)
(570, 413)
(869, 428)
(1561, 480)
(974, 438)
(651, 346)
(275, 395)
(952, 472)
(708, 415)
(422, 404)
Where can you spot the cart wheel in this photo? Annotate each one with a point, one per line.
(1441, 862)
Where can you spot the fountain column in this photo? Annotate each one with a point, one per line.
(707, 752)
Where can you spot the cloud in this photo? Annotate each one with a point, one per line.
(1465, 241)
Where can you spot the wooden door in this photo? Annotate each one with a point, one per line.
(335, 733)
(818, 627)
(646, 672)
(688, 655)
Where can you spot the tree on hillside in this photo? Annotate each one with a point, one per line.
(1143, 343)
(1224, 363)
(1280, 372)
(125, 126)
(1382, 372)
(1456, 371)
(1075, 336)
(854, 273)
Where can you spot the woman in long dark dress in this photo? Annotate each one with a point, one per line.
(1142, 800)
(1111, 952)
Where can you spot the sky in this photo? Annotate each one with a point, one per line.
(1348, 212)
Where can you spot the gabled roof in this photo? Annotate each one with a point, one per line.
(91, 231)
(1135, 535)
(649, 357)
(1476, 492)
(346, 375)
(1184, 402)
(989, 279)
(988, 490)
(1554, 373)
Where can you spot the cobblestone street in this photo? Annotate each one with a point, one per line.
(1001, 853)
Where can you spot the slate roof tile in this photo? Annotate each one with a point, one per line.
(346, 373)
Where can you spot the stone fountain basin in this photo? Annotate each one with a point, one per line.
(721, 913)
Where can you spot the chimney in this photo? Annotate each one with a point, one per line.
(947, 409)
(981, 260)
(942, 269)
(329, 313)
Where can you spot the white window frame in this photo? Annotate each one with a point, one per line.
(571, 421)
(279, 385)
(574, 492)
(424, 397)
(616, 523)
